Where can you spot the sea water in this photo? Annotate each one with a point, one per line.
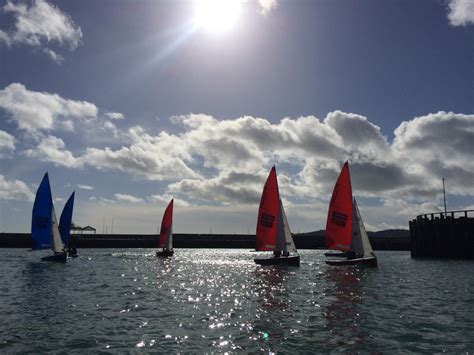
(219, 300)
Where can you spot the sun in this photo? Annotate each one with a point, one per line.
(217, 15)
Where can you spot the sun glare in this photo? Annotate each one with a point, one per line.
(217, 15)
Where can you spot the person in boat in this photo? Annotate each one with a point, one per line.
(286, 253)
(276, 253)
(353, 255)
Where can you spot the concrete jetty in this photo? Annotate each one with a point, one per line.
(383, 240)
(443, 235)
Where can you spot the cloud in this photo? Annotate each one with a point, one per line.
(166, 198)
(7, 144)
(52, 149)
(34, 111)
(227, 187)
(39, 25)
(435, 146)
(211, 162)
(58, 58)
(128, 198)
(155, 158)
(461, 12)
(115, 115)
(267, 5)
(15, 190)
(85, 187)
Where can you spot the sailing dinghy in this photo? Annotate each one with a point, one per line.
(273, 231)
(166, 232)
(345, 229)
(65, 227)
(44, 226)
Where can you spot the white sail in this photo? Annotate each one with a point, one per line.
(360, 240)
(284, 240)
(366, 246)
(57, 244)
(169, 241)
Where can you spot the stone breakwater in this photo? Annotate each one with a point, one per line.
(313, 240)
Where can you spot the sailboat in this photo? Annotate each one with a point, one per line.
(166, 232)
(273, 231)
(65, 227)
(44, 225)
(345, 229)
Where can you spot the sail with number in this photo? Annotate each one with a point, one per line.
(340, 213)
(267, 222)
(273, 231)
(166, 232)
(66, 219)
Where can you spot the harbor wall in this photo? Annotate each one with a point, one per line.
(314, 240)
(443, 235)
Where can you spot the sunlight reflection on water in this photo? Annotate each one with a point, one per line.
(219, 300)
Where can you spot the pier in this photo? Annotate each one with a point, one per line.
(382, 240)
(443, 235)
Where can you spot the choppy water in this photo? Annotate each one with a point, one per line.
(220, 301)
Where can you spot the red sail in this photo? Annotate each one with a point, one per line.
(339, 223)
(166, 225)
(268, 214)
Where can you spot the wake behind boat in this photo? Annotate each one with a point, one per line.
(273, 231)
(44, 225)
(345, 229)
(166, 233)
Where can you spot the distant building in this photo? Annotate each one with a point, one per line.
(82, 230)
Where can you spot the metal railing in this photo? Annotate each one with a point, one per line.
(449, 214)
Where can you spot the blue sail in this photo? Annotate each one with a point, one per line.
(66, 219)
(41, 223)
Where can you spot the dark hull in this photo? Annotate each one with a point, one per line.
(336, 255)
(372, 262)
(282, 260)
(165, 253)
(72, 253)
(58, 257)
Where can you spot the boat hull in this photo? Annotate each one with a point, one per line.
(165, 253)
(72, 253)
(336, 255)
(282, 260)
(57, 257)
(372, 262)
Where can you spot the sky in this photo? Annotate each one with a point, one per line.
(133, 103)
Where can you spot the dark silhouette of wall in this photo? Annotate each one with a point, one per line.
(443, 235)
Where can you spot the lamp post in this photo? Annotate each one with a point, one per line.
(444, 196)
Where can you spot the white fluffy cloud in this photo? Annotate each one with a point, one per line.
(15, 190)
(52, 149)
(41, 24)
(128, 198)
(213, 162)
(7, 144)
(115, 115)
(85, 187)
(34, 111)
(461, 12)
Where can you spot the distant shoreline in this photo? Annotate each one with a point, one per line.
(383, 240)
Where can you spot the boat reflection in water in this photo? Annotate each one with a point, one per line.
(270, 325)
(343, 312)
